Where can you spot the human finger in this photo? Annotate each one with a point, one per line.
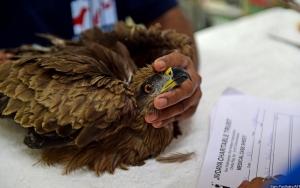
(186, 89)
(174, 59)
(182, 110)
(186, 114)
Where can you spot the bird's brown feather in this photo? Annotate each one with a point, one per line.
(149, 44)
(67, 81)
(175, 157)
(79, 98)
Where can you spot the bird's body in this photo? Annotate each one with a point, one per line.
(84, 102)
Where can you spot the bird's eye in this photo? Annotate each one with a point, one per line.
(148, 88)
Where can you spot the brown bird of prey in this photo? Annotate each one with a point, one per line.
(84, 102)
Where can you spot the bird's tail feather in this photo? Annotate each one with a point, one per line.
(175, 157)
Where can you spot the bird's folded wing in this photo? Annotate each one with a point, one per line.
(72, 89)
(146, 45)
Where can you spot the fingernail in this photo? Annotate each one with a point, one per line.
(161, 103)
(151, 117)
(160, 64)
(157, 124)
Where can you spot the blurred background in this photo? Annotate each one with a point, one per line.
(205, 13)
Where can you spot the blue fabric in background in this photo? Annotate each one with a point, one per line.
(289, 181)
(293, 177)
(20, 20)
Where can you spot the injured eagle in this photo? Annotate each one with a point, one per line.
(84, 102)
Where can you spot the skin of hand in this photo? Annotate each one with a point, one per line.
(255, 183)
(3, 56)
(182, 102)
(259, 182)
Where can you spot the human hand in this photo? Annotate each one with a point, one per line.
(180, 103)
(255, 183)
(4, 56)
(259, 182)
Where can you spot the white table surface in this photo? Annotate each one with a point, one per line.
(239, 54)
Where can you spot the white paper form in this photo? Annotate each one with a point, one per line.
(250, 138)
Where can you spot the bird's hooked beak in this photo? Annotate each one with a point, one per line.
(176, 76)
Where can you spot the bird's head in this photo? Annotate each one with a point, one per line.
(147, 84)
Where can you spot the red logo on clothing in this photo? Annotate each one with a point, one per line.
(78, 20)
(90, 13)
(107, 5)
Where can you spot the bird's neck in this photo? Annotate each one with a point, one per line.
(156, 139)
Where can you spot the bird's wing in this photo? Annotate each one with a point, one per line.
(146, 45)
(77, 88)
